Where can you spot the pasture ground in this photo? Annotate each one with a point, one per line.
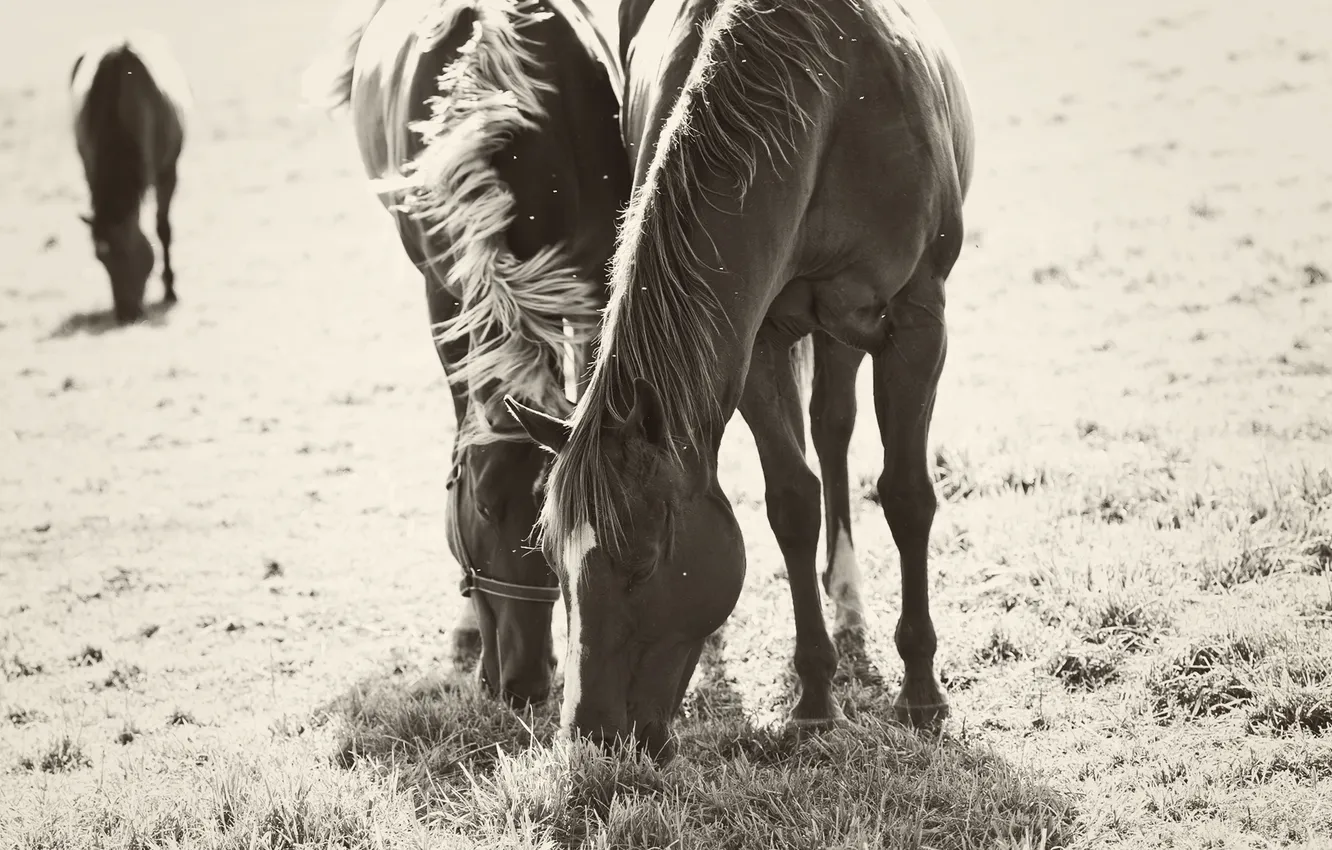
(224, 587)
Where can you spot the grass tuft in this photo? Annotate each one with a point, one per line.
(1290, 710)
(1305, 765)
(1086, 667)
(736, 786)
(86, 657)
(1126, 618)
(123, 676)
(21, 716)
(181, 717)
(1212, 677)
(15, 667)
(960, 478)
(470, 765)
(1119, 605)
(999, 647)
(62, 755)
(434, 729)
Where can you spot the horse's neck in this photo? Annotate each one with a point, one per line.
(734, 250)
(747, 249)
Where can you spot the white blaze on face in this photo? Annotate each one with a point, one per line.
(573, 551)
(844, 586)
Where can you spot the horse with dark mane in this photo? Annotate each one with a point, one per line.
(130, 99)
(800, 168)
(489, 129)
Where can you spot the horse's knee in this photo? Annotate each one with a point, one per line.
(908, 505)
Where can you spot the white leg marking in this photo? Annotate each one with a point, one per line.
(844, 588)
(572, 553)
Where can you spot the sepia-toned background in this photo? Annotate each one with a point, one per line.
(214, 522)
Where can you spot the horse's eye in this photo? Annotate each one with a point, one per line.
(640, 568)
(485, 511)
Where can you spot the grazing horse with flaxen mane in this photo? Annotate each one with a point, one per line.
(801, 167)
(490, 131)
(130, 99)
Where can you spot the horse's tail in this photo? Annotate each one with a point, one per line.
(513, 312)
(327, 80)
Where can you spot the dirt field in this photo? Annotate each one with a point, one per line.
(219, 522)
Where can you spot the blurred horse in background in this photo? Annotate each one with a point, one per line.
(489, 129)
(130, 100)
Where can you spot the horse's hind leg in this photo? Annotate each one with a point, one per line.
(906, 377)
(771, 407)
(166, 190)
(832, 417)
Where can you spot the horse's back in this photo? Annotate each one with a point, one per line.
(901, 42)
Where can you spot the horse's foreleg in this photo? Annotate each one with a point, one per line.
(771, 407)
(832, 417)
(443, 307)
(166, 190)
(906, 377)
(466, 632)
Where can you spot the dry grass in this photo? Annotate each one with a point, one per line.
(224, 599)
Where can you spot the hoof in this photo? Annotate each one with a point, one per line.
(921, 706)
(818, 724)
(169, 298)
(466, 648)
(816, 713)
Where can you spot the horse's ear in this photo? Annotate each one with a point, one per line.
(86, 219)
(550, 433)
(647, 418)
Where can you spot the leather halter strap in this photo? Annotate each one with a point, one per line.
(473, 581)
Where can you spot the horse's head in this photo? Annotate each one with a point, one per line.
(651, 560)
(495, 492)
(127, 255)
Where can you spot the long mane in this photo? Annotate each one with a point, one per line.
(736, 113)
(519, 315)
